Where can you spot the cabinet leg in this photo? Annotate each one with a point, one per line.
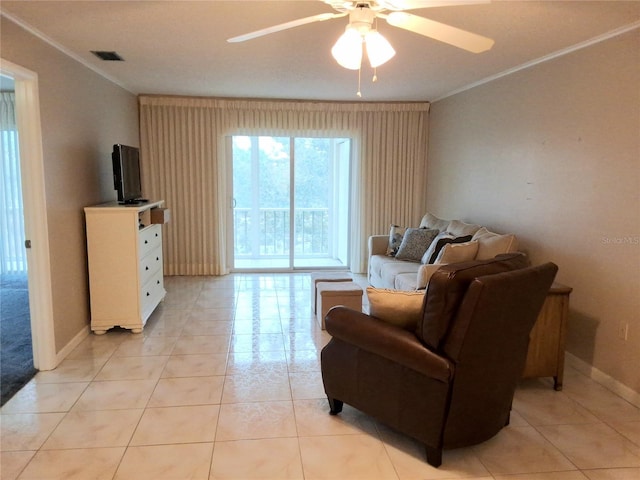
(136, 330)
(99, 332)
(557, 383)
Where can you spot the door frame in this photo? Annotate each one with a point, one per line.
(35, 213)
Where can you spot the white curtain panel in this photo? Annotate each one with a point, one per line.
(13, 256)
(185, 163)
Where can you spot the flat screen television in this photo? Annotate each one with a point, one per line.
(126, 174)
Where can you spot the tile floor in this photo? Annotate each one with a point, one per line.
(225, 383)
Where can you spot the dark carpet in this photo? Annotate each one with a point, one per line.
(16, 354)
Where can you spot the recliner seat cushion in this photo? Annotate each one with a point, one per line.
(448, 286)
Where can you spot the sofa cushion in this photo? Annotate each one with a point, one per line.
(438, 243)
(396, 233)
(414, 243)
(400, 308)
(491, 244)
(391, 270)
(448, 286)
(459, 228)
(431, 221)
(406, 282)
(457, 252)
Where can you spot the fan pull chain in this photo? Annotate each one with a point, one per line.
(375, 74)
(359, 93)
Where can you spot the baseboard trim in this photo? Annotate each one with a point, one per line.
(68, 348)
(603, 379)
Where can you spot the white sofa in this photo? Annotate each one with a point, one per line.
(456, 241)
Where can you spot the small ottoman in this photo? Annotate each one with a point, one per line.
(325, 277)
(330, 294)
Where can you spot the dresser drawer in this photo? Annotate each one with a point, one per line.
(150, 238)
(150, 264)
(151, 294)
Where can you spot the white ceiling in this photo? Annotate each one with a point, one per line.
(180, 48)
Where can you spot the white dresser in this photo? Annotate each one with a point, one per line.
(124, 251)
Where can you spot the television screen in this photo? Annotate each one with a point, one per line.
(126, 173)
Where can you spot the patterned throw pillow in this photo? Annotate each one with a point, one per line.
(396, 233)
(414, 243)
(438, 244)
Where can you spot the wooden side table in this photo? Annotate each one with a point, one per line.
(547, 340)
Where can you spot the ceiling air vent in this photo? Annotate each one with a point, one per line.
(107, 56)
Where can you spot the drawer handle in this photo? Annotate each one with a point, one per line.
(156, 235)
(146, 242)
(157, 282)
(146, 268)
(157, 259)
(148, 294)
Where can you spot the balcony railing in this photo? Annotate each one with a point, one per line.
(265, 232)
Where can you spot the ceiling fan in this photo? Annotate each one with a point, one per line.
(363, 13)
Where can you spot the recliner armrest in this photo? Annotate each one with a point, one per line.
(378, 244)
(373, 335)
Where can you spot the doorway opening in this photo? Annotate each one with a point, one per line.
(290, 203)
(16, 348)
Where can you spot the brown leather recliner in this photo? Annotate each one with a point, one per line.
(449, 383)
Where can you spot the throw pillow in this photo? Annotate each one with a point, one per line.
(397, 307)
(457, 252)
(438, 244)
(458, 228)
(414, 243)
(491, 244)
(395, 239)
(431, 221)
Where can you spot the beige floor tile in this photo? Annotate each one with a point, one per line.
(196, 327)
(94, 428)
(313, 340)
(262, 363)
(207, 301)
(260, 326)
(72, 370)
(12, 463)
(253, 387)
(263, 342)
(202, 344)
(521, 450)
(37, 397)
(613, 474)
(347, 457)
(306, 385)
(593, 446)
(132, 368)
(114, 395)
(170, 392)
(544, 476)
(312, 418)
(168, 425)
(631, 430)
(142, 345)
(201, 365)
(264, 459)
(245, 421)
(214, 315)
(303, 361)
(78, 464)
(544, 406)
(26, 431)
(166, 462)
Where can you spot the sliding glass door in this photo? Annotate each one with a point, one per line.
(290, 202)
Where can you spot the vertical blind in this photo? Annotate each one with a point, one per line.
(13, 257)
(184, 161)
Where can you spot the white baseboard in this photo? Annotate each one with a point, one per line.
(603, 379)
(68, 348)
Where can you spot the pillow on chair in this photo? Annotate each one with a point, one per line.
(397, 307)
(448, 286)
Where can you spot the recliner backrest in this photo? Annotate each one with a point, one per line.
(448, 286)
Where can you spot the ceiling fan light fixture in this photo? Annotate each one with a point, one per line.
(348, 49)
(379, 50)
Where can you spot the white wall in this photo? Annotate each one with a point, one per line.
(552, 153)
(82, 116)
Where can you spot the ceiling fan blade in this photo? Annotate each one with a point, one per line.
(398, 5)
(471, 42)
(284, 26)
